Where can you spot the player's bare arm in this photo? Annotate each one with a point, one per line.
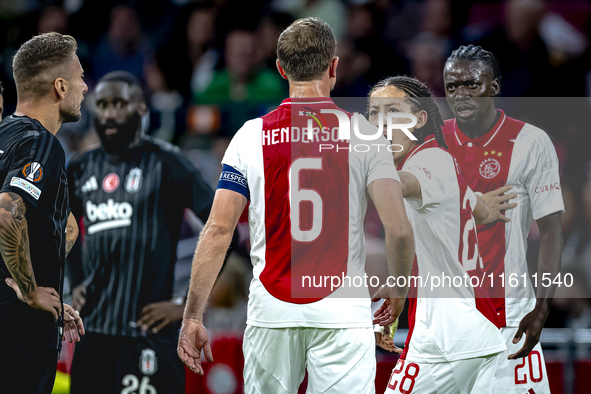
(411, 188)
(549, 262)
(497, 202)
(14, 246)
(387, 197)
(71, 233)
(207, 262)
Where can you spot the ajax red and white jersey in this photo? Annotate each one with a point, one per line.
(445, 322)
(308, 200)
(519, 154)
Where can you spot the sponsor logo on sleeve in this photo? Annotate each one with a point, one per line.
(111, 183)
(547, 188)
(23, 184)
(233, 177)
(33, 172)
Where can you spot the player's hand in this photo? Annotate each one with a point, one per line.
(192, 338)
(392, 307)
(79, 297)
(159, 314)
(73, 326)
(43, 298)
(531, 325)
(497, 204)
(386, 342)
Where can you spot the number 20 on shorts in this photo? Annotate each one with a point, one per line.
(404, 383)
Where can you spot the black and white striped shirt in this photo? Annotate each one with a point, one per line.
(32, 165)
(132, 212)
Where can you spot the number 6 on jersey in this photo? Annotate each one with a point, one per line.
(297, 195)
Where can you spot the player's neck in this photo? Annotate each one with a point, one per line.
(309, 89)
(46, 113)
(476, 129)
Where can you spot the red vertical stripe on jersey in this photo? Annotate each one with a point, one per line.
(287, 259)
(484, 303)
(485, 164)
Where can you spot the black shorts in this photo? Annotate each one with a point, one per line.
(111, 364)
(27, 367)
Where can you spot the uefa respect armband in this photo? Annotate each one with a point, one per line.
(232, 179)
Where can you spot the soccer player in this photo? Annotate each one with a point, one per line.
(307, 206)
(36, 227)
(458, 348)
(131, 193)
(1, 100)
(496, 154)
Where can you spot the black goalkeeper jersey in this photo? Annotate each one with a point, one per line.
(32, 165)
(132, 212)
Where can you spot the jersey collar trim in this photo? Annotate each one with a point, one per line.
(412, 152)
(484, 139)
(307, 101)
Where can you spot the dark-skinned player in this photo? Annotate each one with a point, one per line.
(131, 193)
(514, 163)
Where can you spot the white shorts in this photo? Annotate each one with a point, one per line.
(472, 375)
(337, 360)
(519, 376)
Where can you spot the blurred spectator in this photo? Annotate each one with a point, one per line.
(124, 47)
(53, 19)
(364, 27)
(427, 56)
(519, 49)
(268, 32)
(200, 34)
(242, 89)
(352, 71)
(332, 12)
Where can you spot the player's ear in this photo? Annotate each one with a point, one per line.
(59, 86)
(142, 108)
(496, 85)
(280, 69)
(332, 69)
(421, 119)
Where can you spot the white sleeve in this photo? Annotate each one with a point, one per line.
(236, 153)
(429, 170)
(543, 181)
(381, 163)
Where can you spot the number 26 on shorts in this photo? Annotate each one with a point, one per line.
(403, 379)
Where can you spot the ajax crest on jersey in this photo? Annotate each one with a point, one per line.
(133, 182)
(111, 183)
(489, 168)
(148, 362)
(33, 172)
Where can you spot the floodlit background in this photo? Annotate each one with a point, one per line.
(208, 66)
